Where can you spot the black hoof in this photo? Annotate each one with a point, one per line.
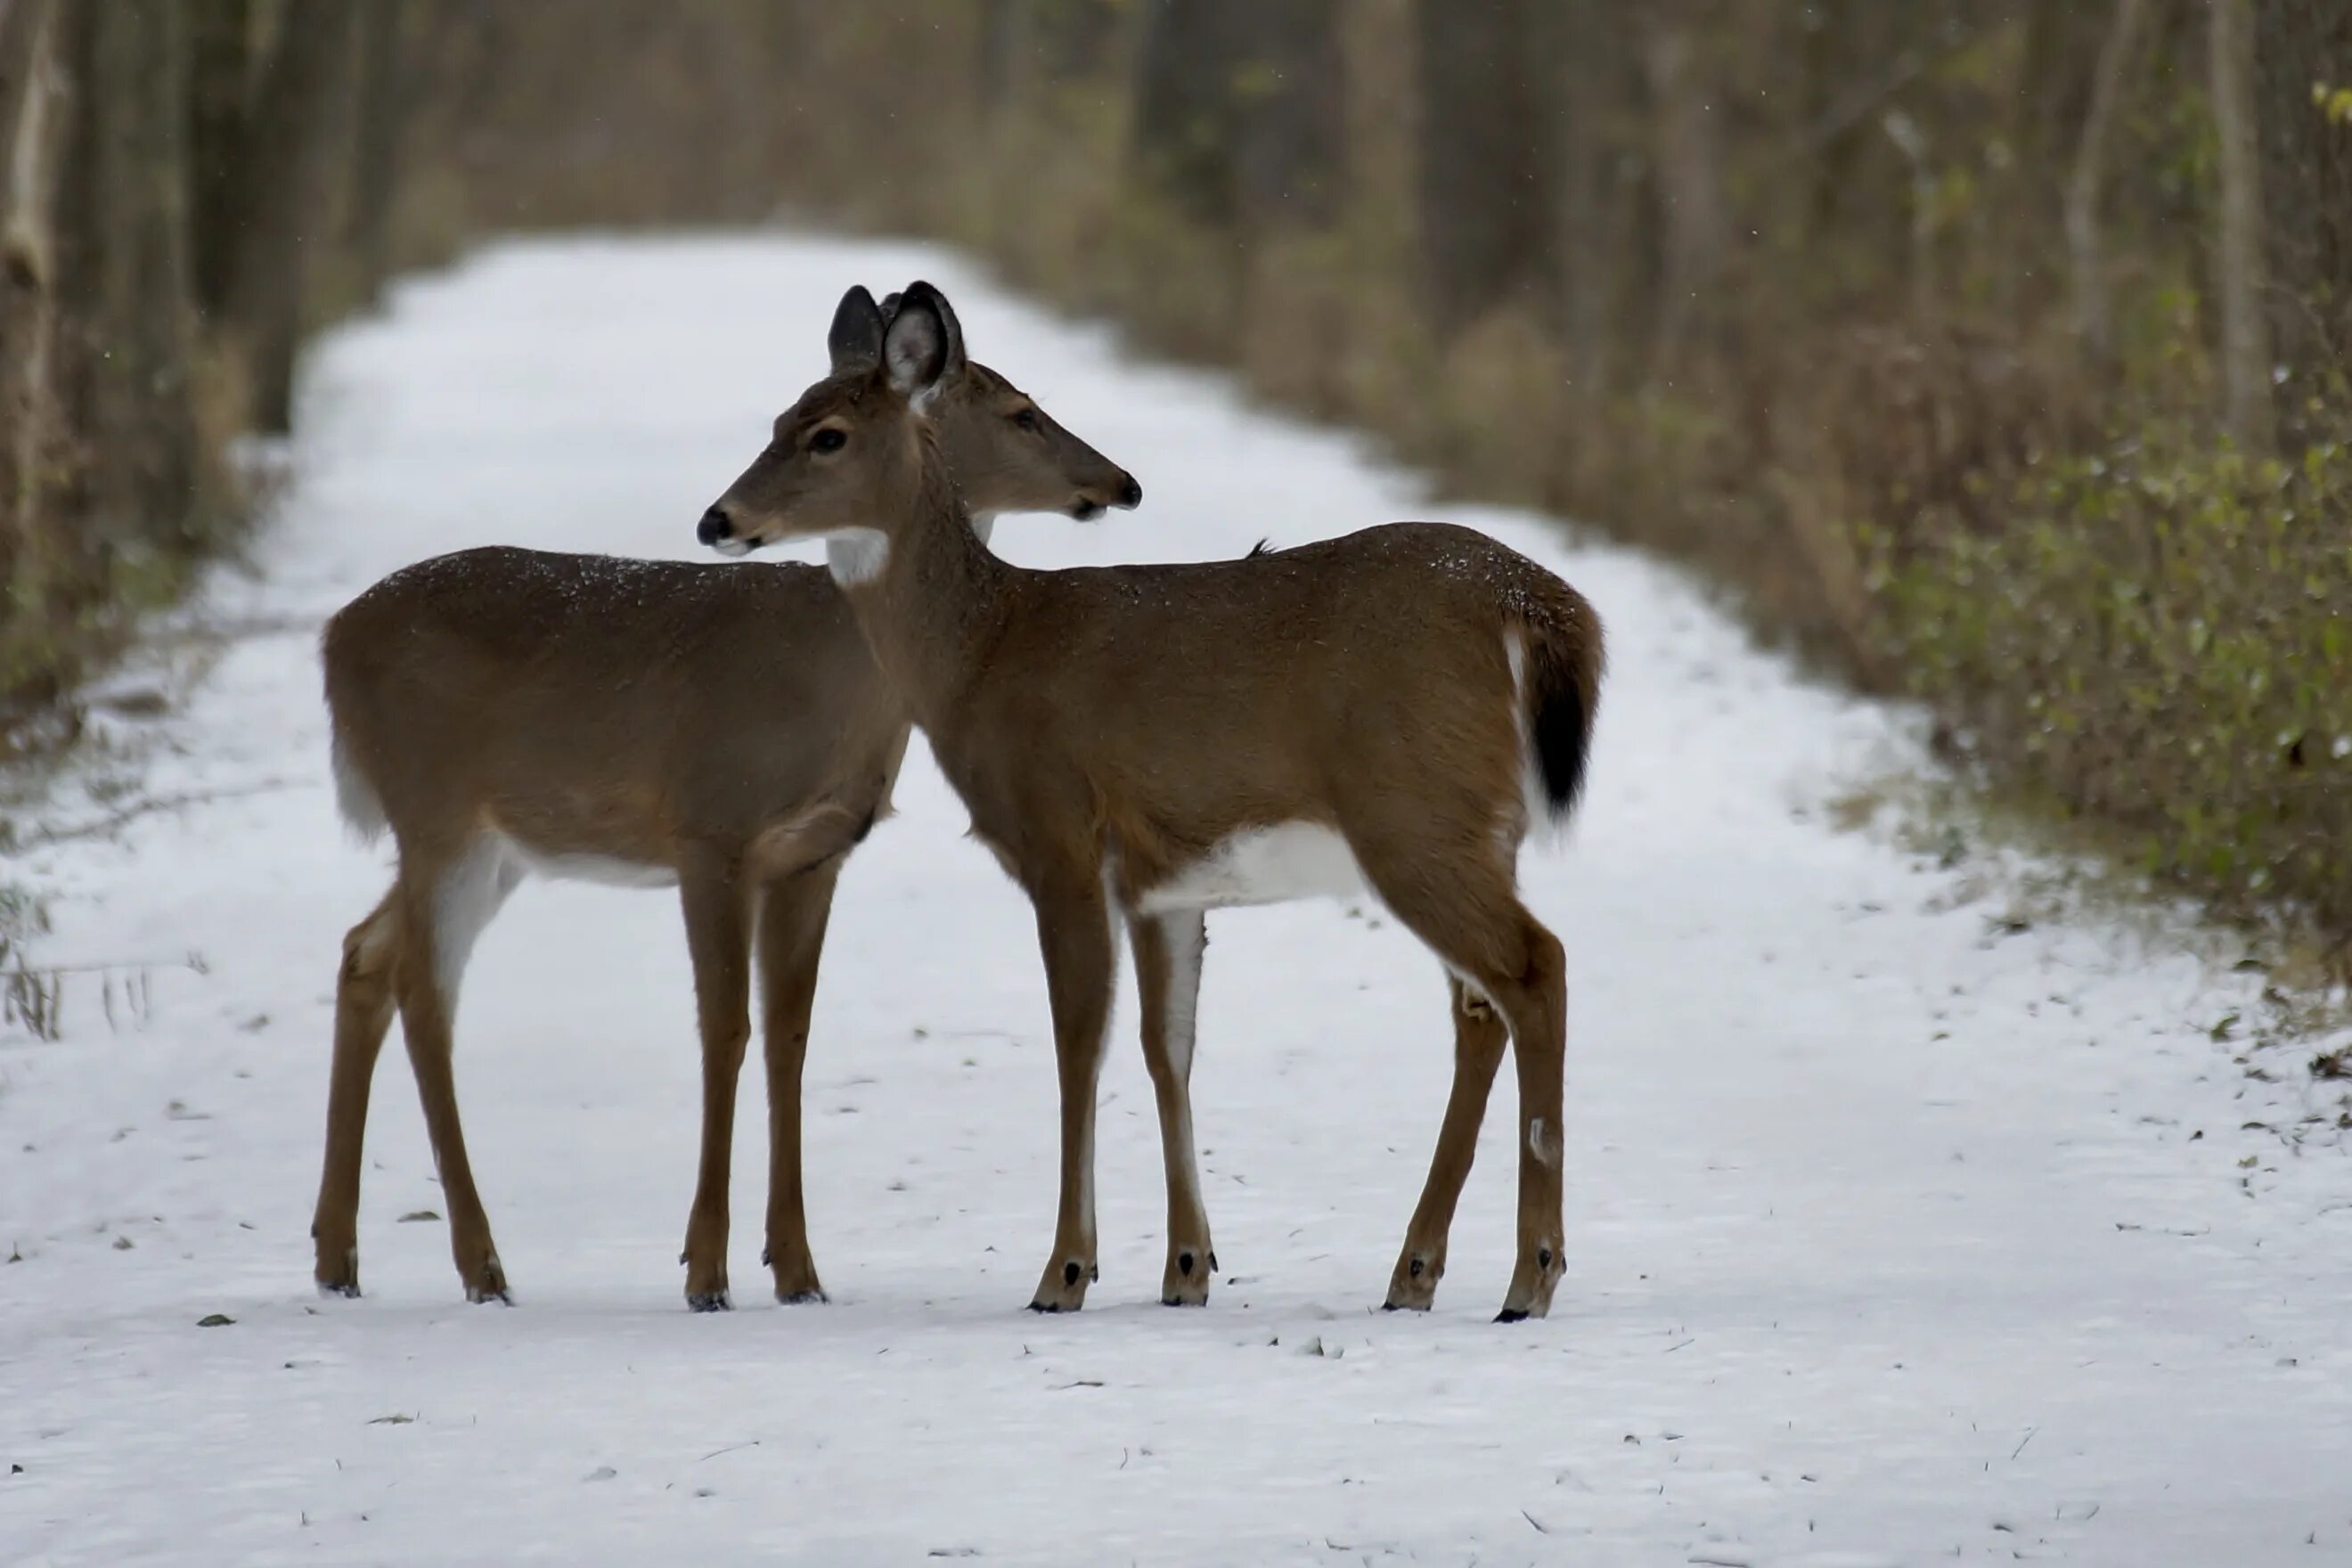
(800, 1298)
(1212, 1263)
(344, 1292)
(1049, 1306)
(489, 1298)
(709, 1301)
(1510, 1315)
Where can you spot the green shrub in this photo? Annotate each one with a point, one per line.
(2160, 637)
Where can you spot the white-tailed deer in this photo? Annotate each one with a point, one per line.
(725, 728)
(1394, 709)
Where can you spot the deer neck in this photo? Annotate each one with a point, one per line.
(931, 596)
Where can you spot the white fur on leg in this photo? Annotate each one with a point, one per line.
(469, 895)
(1543, 1141)
(1186, 938)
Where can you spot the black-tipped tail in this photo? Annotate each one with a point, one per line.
(1562, 693)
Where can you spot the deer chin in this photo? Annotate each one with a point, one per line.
(1087, 510)
(736, 546)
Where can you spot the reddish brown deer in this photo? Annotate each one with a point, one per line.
(725, 728)
(1394, 709)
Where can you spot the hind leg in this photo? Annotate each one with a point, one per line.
(363, 1004)
(1168, 950)
(1479, 1035)
(442, 921)
(1469, 914)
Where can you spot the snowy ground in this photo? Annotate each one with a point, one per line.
(1893, 1236)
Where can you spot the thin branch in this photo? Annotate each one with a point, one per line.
(148, 807)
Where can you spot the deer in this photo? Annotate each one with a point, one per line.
(507, 712)
(1393, 711)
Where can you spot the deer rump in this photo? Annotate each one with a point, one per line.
(1423, 668)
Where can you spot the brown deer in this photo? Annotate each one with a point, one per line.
(1393, 710)
(724, 728)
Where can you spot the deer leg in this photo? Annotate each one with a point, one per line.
(1081, 971)
(1168, 950)
(1479, 1035)
(441, 921)
(719, 944)
(1474, 921)
(1533, 1001)
(363, 1004)
(792, 920)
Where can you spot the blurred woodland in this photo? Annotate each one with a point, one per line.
(1994, 353)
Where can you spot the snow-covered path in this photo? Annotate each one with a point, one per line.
(1890, 1240)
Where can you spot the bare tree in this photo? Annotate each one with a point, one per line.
(2085, 181)
(281, 206)
(220, 63)
(1690, 184)
(375, 142)
(2245, 332)
(1488, 215)
(125, 275)
(32, 146)
(2300, 48)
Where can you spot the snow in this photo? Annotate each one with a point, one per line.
(1890, 1240)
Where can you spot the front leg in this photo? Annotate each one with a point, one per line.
(719, 944)
(791, 938)
(1081, 971)
(1168, 950)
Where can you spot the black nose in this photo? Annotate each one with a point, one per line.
(1131, 494)
(716, 525)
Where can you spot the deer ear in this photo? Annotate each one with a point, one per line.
(938, 303)
(856, 339)
(915, 350)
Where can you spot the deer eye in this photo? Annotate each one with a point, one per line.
(1027, 420)
(828, 440)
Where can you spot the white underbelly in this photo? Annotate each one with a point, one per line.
(605, 869)
(1263, 865)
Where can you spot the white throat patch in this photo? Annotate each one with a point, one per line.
(856, 555)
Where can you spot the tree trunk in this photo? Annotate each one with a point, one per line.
(2084, 184)
(1291, 86)
(2245, 348)
(1599, 190)
(376, 143)
(219, 89)
(126, 276)
(1186, 131)
(2306, 179)
(1690, 186)
(1004, 49)
(1488, 215)
(32, 144)
(282, 207)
